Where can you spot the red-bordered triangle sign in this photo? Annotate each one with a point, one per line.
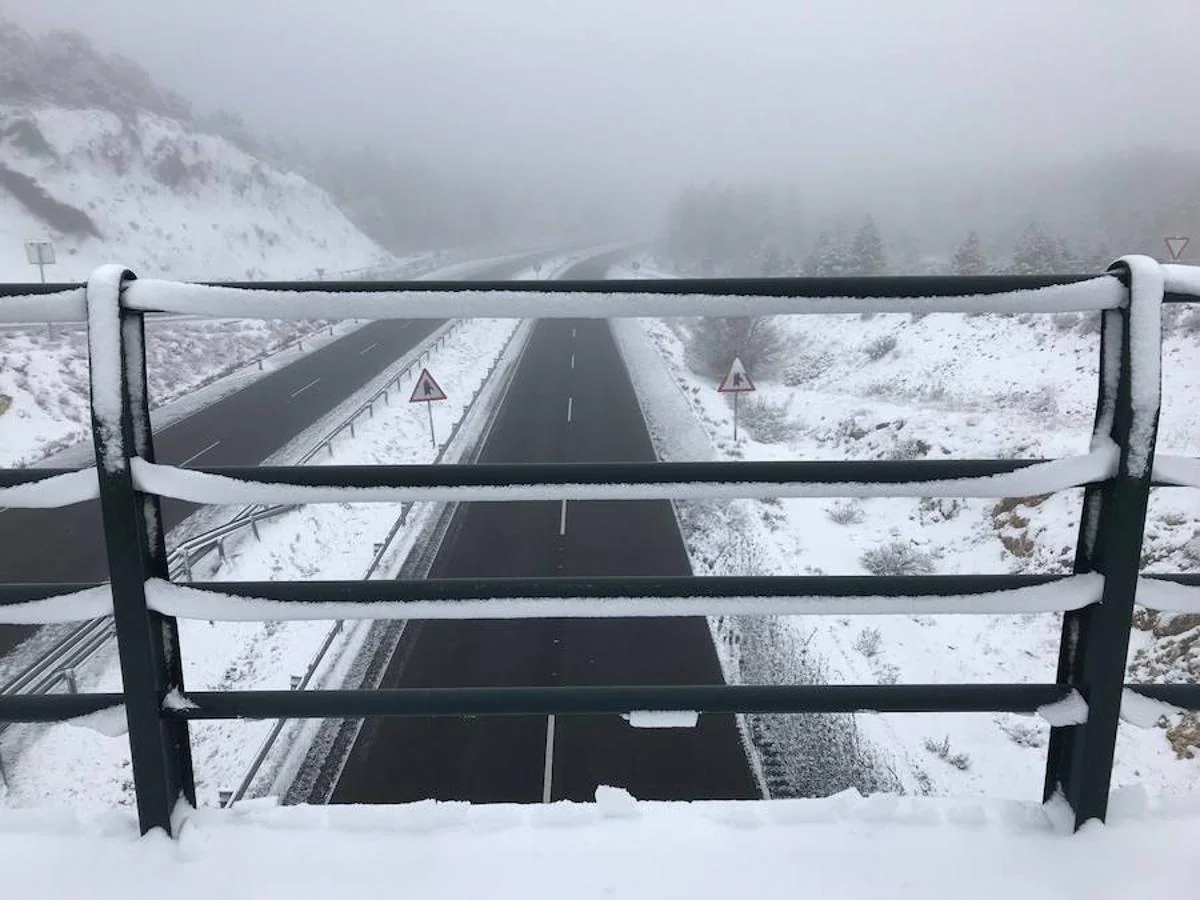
(1176, 245)
(426, 390)
(737, 380)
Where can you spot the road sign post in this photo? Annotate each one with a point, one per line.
(737, 381)
(40, 254)
(427, 391)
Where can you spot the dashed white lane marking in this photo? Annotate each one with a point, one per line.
(306, 387)
(368, 349)
(548, 773)
(562, 519)
(572, 332)
(572, 360)
(570, 407)
(196, 456)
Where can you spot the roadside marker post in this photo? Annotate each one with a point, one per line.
(427, 391)
(737, 381)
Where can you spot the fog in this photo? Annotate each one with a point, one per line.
(625, 103)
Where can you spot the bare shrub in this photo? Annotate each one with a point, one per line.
(768, 422)
(869, 642)
(1064, 321)
(807, 368)
(880, 347)
(714, 342)
(941, 749)
(896, 558)
(909, 448)
(845, 512)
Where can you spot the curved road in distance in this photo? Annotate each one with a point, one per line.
(570, 400)
(243, 428)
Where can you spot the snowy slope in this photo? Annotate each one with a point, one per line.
(943, 386)
(158, 198)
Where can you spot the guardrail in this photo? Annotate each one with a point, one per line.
(1097, 602)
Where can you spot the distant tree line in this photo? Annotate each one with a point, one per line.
(758, 231)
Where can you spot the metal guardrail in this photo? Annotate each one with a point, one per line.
(1095, 636)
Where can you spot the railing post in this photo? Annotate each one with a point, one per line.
(148, 643)
(1095, 639)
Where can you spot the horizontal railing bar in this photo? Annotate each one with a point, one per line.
(1189, 578)
(872, 286)
(14, 592)
(627, 598)
(593, 700)
(54, 707)
(1185, 696)
(509, 474)
(14, 477)
(599, 587)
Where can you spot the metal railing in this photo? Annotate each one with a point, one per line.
(57, 665)
(1097, 602)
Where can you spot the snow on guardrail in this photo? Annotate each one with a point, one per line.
(149, 295)
(1039, 478)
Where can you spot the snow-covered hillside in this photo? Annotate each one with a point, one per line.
(168, 202)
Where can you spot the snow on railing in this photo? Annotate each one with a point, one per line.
(667, 300)
(210, 603)
(54, 491)
(205, 487)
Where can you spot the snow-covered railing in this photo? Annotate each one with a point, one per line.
(1096, 601)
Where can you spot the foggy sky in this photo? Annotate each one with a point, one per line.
(623, 95)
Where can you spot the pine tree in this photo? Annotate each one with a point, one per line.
(867, 256)
(969, 258)
(1039, 253)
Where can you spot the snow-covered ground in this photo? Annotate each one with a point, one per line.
(845, 847)
(164, 201)
(87, 769)
(943, 386)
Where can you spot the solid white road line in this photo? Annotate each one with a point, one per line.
(368, 349)
(570, 404)
(195, 456)
(306, 387)
(548, 773)
(562, 519)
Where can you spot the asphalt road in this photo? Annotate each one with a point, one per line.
(243, 428)
(571, 400)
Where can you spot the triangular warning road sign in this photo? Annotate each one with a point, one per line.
(1176, 245)
(737, 381)
(426, 390)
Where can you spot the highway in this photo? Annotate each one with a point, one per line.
(570, 400)
(243, 428)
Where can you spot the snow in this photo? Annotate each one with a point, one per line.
(111, 722)
(229, 217)
(61, 306)
(1070, 710)
(859, 849)
(1181, 279)
(1039, 478)
(177, 701)
(1179, 470)
(947, 388)
(1167, 596)
(1145, 712)
(104, 356)
(55, 491)
(77, 606)
(1145, 340)
(164, 296)
(616, 803)
(653, 718)
(185, 602)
